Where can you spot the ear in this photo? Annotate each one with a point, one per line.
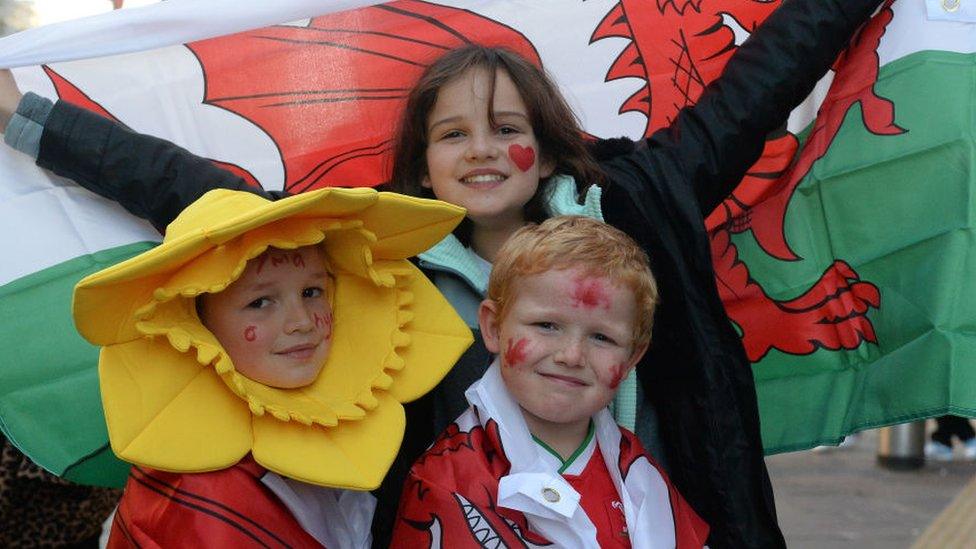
(636, 356)
(488, 321)
(425, 182)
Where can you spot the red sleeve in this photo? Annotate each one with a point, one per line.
(227, 508)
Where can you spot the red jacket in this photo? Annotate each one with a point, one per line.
(226, 508)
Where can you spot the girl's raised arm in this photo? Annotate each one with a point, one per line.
(712, 144)
(151, 177)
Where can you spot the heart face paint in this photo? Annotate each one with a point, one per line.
(250, 333)
(523, 157)
(590, 293)
(515, 353)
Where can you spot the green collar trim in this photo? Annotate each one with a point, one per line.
(568, 461)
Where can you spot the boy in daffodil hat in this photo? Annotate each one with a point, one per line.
(254, 364)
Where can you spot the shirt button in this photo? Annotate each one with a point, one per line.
(550, 495)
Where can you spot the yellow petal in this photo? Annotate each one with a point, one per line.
(438, 337)
(169, 413)
(353, 455)
(419, 224)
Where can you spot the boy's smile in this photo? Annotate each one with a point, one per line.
(275, 321)
(565, 342)
(493, 171)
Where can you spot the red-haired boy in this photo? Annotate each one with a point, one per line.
(537, 458)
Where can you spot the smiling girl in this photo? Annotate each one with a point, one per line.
(486, 129)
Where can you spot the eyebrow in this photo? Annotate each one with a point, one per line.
(498, 114)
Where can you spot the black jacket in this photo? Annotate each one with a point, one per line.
(696, 374)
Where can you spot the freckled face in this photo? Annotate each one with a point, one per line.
(275, 321)
(492, 171)
(565, 344)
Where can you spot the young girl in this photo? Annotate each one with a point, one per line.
(488, 131)
(253, 365)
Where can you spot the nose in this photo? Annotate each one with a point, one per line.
(298, 318)
(570, 353)
(481, 146)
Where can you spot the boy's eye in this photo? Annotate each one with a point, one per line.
(545, 325)
(604, 338)
(259, 303)
(313, 291)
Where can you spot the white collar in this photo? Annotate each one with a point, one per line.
(534, 476)
(333, 516)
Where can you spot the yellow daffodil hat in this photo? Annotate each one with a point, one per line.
(172, 398)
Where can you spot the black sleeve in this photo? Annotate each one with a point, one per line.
(151, 177)
(712, 144)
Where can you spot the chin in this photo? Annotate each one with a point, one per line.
(560, 417)
(299, 380)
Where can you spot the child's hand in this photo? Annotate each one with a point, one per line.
(9, 97)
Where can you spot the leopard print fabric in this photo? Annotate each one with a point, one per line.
(38, 509)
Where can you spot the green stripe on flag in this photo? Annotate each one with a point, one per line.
(50, 406)
(901, 210)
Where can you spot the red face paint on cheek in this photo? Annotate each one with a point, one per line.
(515, 353)
(250, 333)
(325, 323)
(523, 157)
(590, 293)
(617, 372)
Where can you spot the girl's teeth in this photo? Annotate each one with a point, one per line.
(488, 178)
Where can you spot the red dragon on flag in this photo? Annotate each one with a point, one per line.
(333, 125)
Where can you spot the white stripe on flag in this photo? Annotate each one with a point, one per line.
(47, 220)
(155, 26)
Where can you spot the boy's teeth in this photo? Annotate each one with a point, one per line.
(487, 178)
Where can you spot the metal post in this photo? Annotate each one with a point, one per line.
(902, 447)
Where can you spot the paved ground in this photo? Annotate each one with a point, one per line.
(842, 498)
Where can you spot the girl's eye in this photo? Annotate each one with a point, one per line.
(259, 303)
(508, 130)
(545, 325)
(313, 292)
(453, 134)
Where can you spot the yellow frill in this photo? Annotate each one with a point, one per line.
(173, 400)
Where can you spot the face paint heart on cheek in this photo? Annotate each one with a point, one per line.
(250, 333)
(523, 157)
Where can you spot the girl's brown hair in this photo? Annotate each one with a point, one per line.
(556, 127)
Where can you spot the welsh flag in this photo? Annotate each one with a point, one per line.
(842, 257)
